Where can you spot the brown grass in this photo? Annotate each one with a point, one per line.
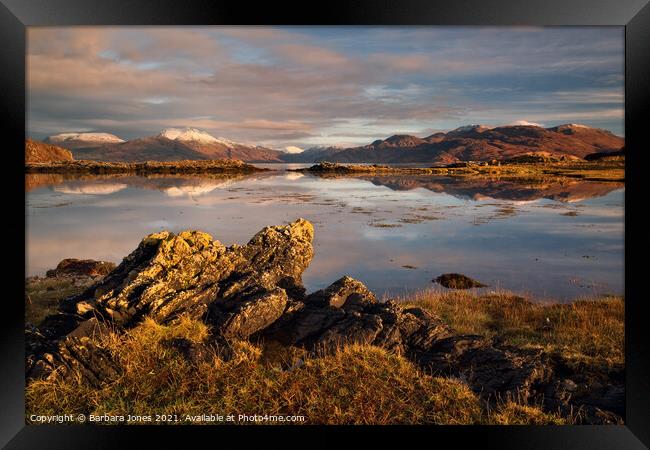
(357, 384)
(591, 329)
(512, 413)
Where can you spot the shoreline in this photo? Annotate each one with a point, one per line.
(585, 170)
(604, 171)
(147, 167)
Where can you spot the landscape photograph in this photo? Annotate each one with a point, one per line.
(325, 225)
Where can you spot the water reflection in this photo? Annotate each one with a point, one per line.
(553, 238)
(562, 189)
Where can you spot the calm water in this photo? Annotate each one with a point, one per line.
(557, 240)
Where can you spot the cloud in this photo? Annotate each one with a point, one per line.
(303, 86)
(293, 149)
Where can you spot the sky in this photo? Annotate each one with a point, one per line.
(298, 87)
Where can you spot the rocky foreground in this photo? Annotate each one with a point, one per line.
(255, 293)
(143, 168)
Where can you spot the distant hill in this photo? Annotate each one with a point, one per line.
(172, 144)
(479, 143)
(40, 152)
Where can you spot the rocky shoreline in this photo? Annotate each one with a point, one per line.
(599, 170)
(255, 293)
(148, 167)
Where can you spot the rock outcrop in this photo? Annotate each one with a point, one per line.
(255, 292)
(81, 267)
(458, 281)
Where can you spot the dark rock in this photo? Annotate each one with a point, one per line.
(76, 357)
(91, 328)
(606, 156)
(340, 292)
(248, 316)
(457, 281)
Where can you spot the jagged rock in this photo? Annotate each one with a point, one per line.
(81, 267)
(81, 356)
(346, 291)
(458, 281)
(248, 316)
(169, 275)
(486, 368)
(255, 292)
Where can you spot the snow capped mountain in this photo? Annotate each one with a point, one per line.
(91, 138)
(194, 135)
(172, 144)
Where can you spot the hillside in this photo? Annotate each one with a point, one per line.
(39, 152)
(480, 143)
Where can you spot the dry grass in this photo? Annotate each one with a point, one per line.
(591, 329)
(355, 385)
(512, 413)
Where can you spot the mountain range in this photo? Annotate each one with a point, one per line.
(171, 144)
(477, 143)
(466, 143)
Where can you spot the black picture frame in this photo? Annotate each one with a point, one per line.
(634, 15)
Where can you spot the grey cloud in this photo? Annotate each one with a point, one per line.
(284, 86)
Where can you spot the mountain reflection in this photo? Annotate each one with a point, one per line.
(561, 189)
(172, 186)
